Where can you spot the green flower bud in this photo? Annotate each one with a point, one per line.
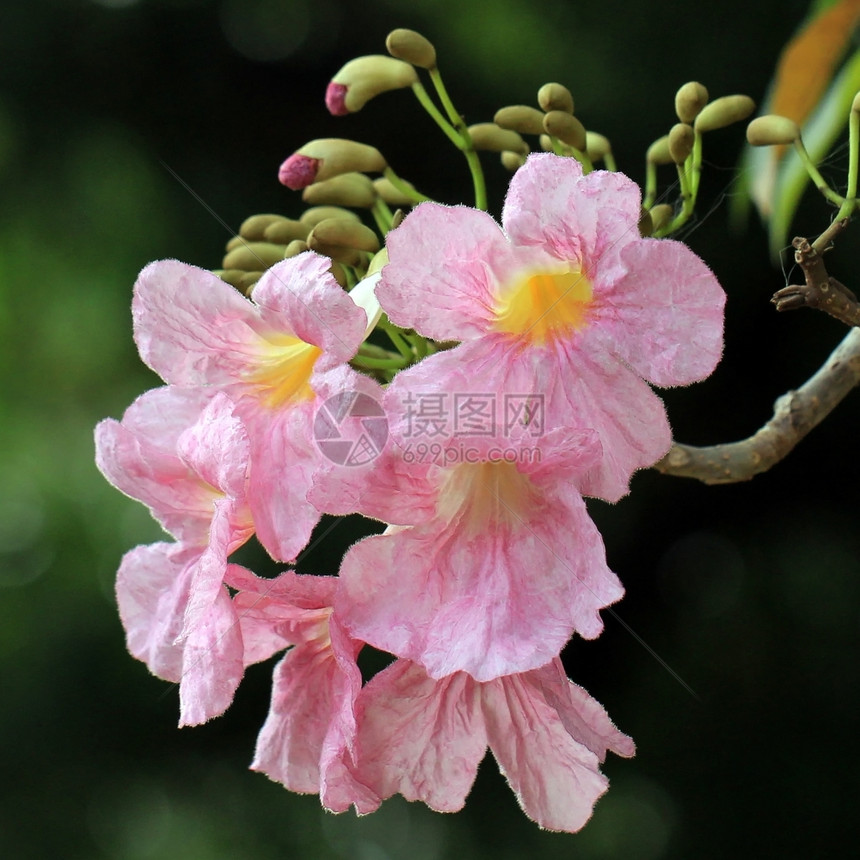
(645, 225)
(253, 228)
(488, 136)
(247, 281)
(235, 242)
(555, 97)
(363, 78)
(283, 231)
(344, 233)
(661, 214)
(681, 137)
(391, 195)
(513, 161)
(520, 118)
(232, 277)
(296, 247)
(772, 130)
(254, 256)
(348, 189)
(311, 217)
(412, 47)
(658, 152)
(566, 127)
(597, 147)
(722, 112)
(689, 100)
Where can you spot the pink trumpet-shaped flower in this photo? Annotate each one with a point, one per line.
(184, 454)
(565, 300)
(276, 357)
(492, 562)
(424, 739)
(309, 734)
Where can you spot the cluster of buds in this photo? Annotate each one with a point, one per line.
(516, 381)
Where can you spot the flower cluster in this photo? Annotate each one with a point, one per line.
(525, 354)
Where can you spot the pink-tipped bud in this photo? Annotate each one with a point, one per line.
(298, 171)
(335, 99)
(363, 78)
(321, 159)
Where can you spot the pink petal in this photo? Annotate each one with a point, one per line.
(439, 280)
(554, 776)
(301, 297)
(420, 738)
(152, 592)
(212, 665)
(573, 217)
(501, 601)
(139, 456)
(191, 327)
(664, 317)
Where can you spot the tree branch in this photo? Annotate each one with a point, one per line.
(795, 414)
(820, 291)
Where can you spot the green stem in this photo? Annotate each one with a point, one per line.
(382, 215)
(817, 178)
(436, 115)
(402, 187)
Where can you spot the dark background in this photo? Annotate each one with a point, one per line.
(749, 593)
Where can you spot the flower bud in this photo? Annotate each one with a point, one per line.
(513, 161)
(488, 136)
(247, 282)
(520, 118)
(254, 256)
(296, 247)
(723, 111)
(348, 189)
(546, 143)
(232, 277)
(645, 225)
(253, 228)
(689, 100)
(597, 147)
(363, 78)
(681, 137)
(344, 233)
(658, 152)
(555, 97)
(321, 159)
(391, 195)
(235, 242)
(412, 47)
(311, 217)
(285, 230)
(772, 130)
(661, 214)
(566, 127)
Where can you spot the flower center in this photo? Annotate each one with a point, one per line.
(283, 373)
(485, 496)
(545, 305)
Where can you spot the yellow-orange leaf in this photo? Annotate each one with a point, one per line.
(808, 62)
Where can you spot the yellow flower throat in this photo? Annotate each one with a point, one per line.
(545, 305)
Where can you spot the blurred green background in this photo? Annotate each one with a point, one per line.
(750, 593)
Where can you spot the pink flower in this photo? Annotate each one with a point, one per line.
(277, 358)
(185, 455)
(308, 737)
(425, 738)
(492, 562)
(565, 301)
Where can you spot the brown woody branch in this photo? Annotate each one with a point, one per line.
(820, 291)
(796, 412)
